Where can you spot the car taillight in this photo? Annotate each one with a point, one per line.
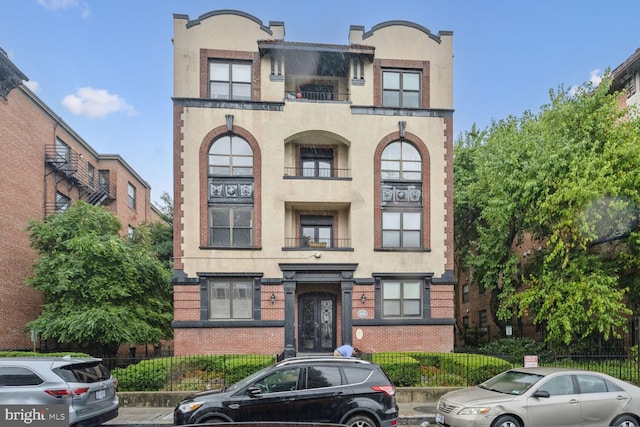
(389, 390)
(60, 393)
(80, 391)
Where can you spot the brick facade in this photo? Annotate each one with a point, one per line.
(28, 134)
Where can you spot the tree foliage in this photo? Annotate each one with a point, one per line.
(565, 180)
(100, 289)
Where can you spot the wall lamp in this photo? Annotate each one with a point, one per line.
(273, 298)
(363, 298)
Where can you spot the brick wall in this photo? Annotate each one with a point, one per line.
(23, 133)
(377, 339)
(27, 126)
(220, 340)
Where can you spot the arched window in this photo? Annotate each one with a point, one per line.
(230, 198)
(401, 162)
(401, 180)
(232, 156)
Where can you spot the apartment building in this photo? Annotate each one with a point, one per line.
(48, 167)
(475, 306)
(313, 188)
(626, 78)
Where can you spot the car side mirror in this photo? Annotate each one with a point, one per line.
(541, 393)
(253, 391)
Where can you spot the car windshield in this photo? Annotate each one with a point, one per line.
(511, 382)
(248, 380)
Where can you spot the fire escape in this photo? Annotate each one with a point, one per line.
(70, 168)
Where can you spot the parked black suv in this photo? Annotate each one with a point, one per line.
(306, 389)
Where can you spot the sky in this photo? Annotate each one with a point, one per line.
(106, 66)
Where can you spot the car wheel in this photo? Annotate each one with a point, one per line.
(360, 421)
(625, 421)
(506, 421)
(213, 420)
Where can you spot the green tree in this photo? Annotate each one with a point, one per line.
(100, 289)
(160, 233)
(568, 179)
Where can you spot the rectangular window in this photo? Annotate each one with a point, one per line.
(229, 299)
(316, 162)
(401, 229)
(465, 292)
(231, 226)
(316, 231)
(230, 80)
(131, 196)
(63, 151)
(481, 289)
(91, 175)
(62, 202)
(401, 88)
(103, 181)
(63, 157)
(401, 298)
(482, 320)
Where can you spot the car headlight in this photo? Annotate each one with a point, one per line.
(189, 407)
(474, 411)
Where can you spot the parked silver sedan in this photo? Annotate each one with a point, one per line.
(543, 397)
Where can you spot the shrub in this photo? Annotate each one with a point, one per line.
(34, 354)
(514, 349)
(188, 373)
(147, 375)
(402, 369)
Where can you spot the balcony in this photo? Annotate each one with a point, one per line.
(316, 72)
(76, 171)
(316, 173)
(305, 243)
(306, 95)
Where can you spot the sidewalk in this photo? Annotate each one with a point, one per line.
(413, 414)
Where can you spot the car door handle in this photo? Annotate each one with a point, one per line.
(234, 406)
(574, 401)
(622, 398)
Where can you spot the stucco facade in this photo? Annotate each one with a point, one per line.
(334, 221)
(50, 167)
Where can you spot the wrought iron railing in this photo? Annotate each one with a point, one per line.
(410, 369)
(308, 243)
(316, 173)
(317, 96)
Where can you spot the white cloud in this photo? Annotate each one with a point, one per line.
(58, 4)
(66, 4)
(33, 85)
(595, 77)
(96, 103)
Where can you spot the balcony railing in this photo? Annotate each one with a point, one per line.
(71, 164)
(320, 173)
(306, 243)
(317, 96)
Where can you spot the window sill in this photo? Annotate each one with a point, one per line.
(402, 249)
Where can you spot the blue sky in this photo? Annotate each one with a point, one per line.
(105, 66)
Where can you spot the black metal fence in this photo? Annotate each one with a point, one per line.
(416, 369)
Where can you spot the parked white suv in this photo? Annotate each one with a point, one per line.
(84, 384)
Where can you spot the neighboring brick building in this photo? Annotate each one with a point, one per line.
(47, 167)
(626, 77)
(313, 188)
(474, 306)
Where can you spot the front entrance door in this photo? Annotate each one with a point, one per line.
(316, 323)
